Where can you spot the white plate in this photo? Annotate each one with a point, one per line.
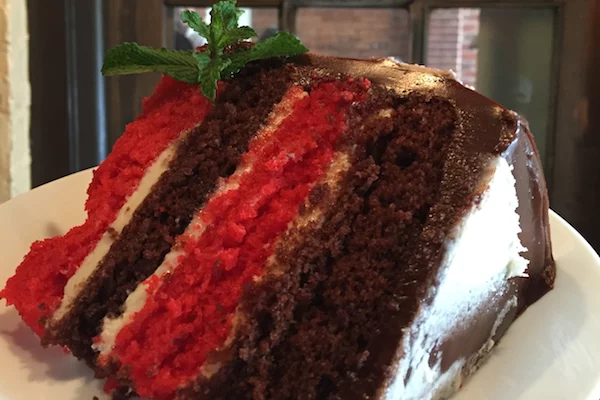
(551, 352)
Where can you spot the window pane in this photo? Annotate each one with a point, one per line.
(263, 20)
(452, 42)
(505, 53)
(355, 32)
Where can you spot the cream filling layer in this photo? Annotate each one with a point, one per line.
(78, 281)
(338, 168)
(485, 253)
(136, 299)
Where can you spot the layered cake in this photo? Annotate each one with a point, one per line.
(325, 228)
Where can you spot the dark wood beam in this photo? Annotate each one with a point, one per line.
(370, 3)
(419, 18)
(287, 17)
(49, 129)
(131, 21)
(209, 3)
(351, 3)
(576, 178)
(85, 85)
(489, 3)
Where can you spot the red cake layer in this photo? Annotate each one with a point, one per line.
(37, 287)
(190, 314)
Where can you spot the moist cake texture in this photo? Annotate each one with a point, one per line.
(326, 229)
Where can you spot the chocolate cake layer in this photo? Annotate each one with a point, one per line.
(210, 152)
(339, 278)
(329, 323)
(486, 129)
(187, 310)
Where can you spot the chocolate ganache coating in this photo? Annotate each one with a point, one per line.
(253, 365)
(485, 131)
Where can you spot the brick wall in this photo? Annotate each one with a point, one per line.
(343, 32)
(450, 44)
(469, 29)
(364, 33)
(442, 41)
(355, 32)
(263, 19)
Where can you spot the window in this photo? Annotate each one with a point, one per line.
(505, 53)
(263, 20)
(452, 42)
(355, 32)
(534, 56)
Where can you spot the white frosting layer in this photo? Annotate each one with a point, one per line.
(77, 282)
(136, 300)
(477, 264)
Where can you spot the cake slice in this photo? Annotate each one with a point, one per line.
(119, 185)
(325, 228)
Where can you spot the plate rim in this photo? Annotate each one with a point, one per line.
(554, 218)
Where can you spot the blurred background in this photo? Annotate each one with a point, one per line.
(58, 115)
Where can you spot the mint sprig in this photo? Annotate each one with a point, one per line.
(130, 58)
(220, 59)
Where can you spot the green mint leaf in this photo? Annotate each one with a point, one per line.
(202, 59)
(238, 60)
(211, 65)
(216, 32)
(281, 45)
(227, 13)
(224, 18)
(210, 75)
(235, 35)
(195, 22)
(130, 58)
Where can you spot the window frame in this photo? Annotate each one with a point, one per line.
(563, 127)
(421, 10)
(571, 165)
